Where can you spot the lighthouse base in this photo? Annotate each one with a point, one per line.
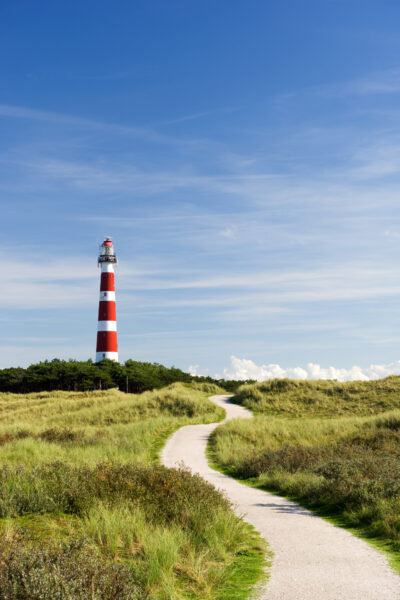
(106, 355)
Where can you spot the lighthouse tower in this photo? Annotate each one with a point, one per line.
(107, 346)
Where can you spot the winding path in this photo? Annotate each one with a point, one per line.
(313, 560)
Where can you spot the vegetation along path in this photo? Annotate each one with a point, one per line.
(312, 558)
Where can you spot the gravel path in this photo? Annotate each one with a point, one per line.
(313, 560)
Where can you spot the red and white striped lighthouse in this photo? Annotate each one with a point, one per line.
(107, 346)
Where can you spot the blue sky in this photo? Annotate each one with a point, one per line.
(245, 159)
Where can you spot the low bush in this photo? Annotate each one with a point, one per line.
(68, 571)
(165, 494)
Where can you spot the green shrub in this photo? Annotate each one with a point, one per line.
(165, 494)
(69, 571)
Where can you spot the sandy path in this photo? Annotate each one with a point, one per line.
(313, 560)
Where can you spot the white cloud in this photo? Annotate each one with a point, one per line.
(227, 232)
(242, 368)
(195, 371)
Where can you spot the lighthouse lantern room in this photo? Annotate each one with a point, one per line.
(107, 345)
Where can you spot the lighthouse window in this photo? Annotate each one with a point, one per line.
(104, 355)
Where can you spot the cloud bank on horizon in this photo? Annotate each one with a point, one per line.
(243, 368)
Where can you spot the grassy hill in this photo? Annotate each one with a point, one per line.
(334, 447)
(320, 398)
(92, 427)
(86, 511)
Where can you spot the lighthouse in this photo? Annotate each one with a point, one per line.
(107, 346)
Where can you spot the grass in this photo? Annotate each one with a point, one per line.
(91, 427)
(86, 511)
(320, 398)
(334, 448)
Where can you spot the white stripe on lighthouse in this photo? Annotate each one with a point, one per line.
(110, 355)
(107, 267)
(107, 296)
(106, 325)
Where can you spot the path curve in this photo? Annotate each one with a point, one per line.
(313, 560)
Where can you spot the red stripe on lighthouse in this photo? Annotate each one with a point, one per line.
(107, 282)
(107, 311)
(107, 341)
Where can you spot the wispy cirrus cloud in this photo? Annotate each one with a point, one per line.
(56, 283)
(297, 281)
(202, 114)
(33, 114)
(349, 188)
(42, 283)
(382, 82)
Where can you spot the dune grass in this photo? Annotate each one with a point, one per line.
(320, 398)
(87, 512)
(332, 447)
(91, 427)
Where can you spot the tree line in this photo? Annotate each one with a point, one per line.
(73, 375)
